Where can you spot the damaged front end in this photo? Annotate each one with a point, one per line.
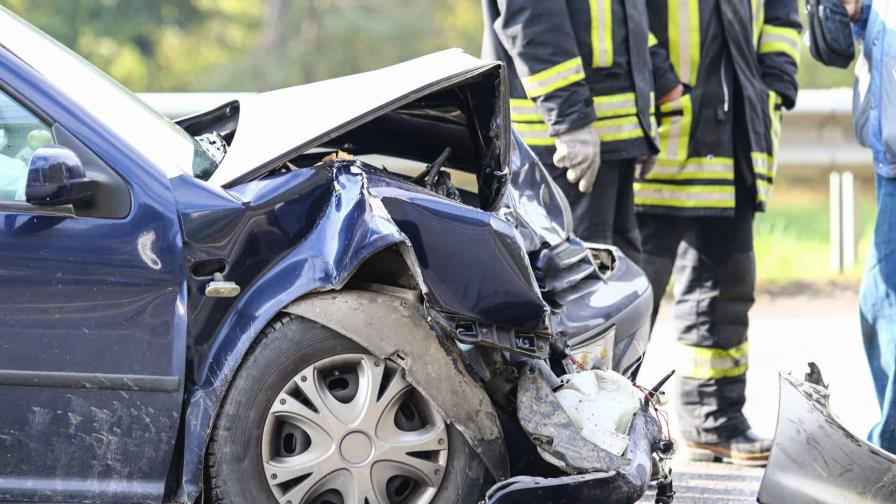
(815, 459)
(600, 429)
(420, 212)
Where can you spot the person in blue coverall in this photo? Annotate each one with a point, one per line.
(874, 109)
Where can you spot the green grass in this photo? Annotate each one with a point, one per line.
(792, 239)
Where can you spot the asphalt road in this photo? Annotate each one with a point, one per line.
(785, 334)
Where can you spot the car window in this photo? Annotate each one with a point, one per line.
(21, 133)
(158, 139)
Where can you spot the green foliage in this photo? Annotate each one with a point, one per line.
(208, 45)
(187, 45)
(157, 45)
(792, 239)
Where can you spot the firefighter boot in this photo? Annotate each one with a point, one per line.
(745, 449)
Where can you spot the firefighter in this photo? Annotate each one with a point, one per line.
(737, 61)
(582, 99)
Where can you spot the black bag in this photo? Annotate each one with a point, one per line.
(830, 33)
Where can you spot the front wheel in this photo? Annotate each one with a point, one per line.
(311, 417)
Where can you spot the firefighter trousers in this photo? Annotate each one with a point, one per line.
(606, 214)
(714, 267)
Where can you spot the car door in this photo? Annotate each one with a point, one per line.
(92, 325)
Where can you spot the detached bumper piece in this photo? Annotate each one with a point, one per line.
(815, 459)
(568, 440)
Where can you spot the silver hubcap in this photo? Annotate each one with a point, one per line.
(351, 429)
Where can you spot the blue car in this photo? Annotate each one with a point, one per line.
(359, 290)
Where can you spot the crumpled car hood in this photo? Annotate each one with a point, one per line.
(277, 125)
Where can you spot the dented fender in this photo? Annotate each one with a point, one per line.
(286, 236)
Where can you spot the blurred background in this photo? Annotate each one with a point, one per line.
(255, 45)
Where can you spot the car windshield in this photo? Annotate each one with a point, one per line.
(158, 139)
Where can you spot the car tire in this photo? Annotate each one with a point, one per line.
(250, 428)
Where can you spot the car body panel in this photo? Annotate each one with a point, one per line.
(815, 459)
(447, 238)
(92, 367)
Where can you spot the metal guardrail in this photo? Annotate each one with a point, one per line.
(818, 133)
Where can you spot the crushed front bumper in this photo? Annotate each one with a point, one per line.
(815, 459)
(598, 475)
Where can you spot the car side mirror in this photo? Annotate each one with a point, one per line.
(57, 177)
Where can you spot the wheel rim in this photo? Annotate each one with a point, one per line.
(351, 429)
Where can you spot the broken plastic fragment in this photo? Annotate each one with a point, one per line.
(601, 404)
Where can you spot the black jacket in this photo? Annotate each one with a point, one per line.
(738, 59)
(573, 63)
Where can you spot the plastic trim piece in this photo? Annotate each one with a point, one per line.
(99, 381)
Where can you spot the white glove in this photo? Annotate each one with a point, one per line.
(578, 152)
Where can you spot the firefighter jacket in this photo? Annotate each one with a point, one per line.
(738, 60)
(574, 63)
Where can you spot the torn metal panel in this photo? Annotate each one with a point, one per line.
(473, 262)
(431, 363)
(534, 204)
(623, 303)
(815, 459)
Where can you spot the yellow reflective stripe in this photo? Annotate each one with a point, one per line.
(693, 169)
(763, 190)
(712, 363)
(777, 118)
(763, 164)
(534, 134)
(554, 78)
(758, 20)
(615, 105)
(780, 39)
(601, 33)
(684, 196)
(674, 131)
(622, 128)
(609, 130)
(522, 110)
(651, 39)
(684, 38)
